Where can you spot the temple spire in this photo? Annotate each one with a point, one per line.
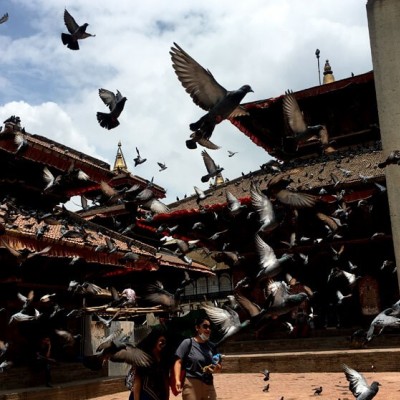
(120, 164)
(328, 74)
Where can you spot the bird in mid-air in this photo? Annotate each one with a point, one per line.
(359, 386)
(212, 168)
(162, 166)
(4, 18)
(116, 103)
(138, 159)
(208, 94)
(76, 32)
(295, 119)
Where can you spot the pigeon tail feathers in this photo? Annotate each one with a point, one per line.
(107, 121)
(68, 40)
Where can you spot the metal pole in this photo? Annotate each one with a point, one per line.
(319, 70)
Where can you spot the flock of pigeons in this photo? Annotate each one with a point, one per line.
(219, 104)
(357, 384)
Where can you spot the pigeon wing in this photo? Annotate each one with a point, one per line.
(253, 309)
(262, 205)
(266, 253)
(205, 91)
(293, 114)
(357, 383)
(70, 22)
(4, 18)
(133, 356)
(208, 162)
(223, 319)
(109, 98)
(296, 199)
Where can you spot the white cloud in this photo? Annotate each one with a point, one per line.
(267, 44)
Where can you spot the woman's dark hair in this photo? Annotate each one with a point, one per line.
(201, 319)
(151, 339)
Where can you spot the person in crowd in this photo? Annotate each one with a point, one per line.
(44, 360)
(151, 383)
(196, 360)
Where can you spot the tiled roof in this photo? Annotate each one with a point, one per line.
(355, 166)
(268, 133)
(174, 261)
(21, 232)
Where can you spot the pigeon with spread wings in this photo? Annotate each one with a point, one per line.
(358, 384)
(116, 103)
(76, 32)
(212, 168)
(301, 132)
(226, 320)
(208, 94)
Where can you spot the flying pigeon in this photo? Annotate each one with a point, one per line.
(264, 208)
(207, 93)
(266, 374)
(4, 18)
(359, 386)
(155, 294)
(162, 166)
(201, 195)
(270, 264)
(294, 117)
(24, 254)
(138, 159)
(51, 180)
(392, 158)
(234, 204)
(277, 189)
(388, 317)
(116, 103)
(76, 32)
(279, 299)
(231, 153)
(226, 320)
(212, 168)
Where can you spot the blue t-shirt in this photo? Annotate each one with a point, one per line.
(194, 357)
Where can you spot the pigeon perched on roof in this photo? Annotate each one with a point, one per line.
(358, 384)
(116, 103)
(76, 32)
(295, 119)
(212, 168)
(207, 93)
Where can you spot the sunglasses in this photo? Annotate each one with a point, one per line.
(206, 326)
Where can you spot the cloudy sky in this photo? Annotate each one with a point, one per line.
(268, 44)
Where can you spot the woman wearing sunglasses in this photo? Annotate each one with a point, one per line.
(197, 360)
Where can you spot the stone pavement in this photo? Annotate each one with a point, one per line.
(239, 386)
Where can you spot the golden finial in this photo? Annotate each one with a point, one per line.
(120, 164)
(328, 74)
